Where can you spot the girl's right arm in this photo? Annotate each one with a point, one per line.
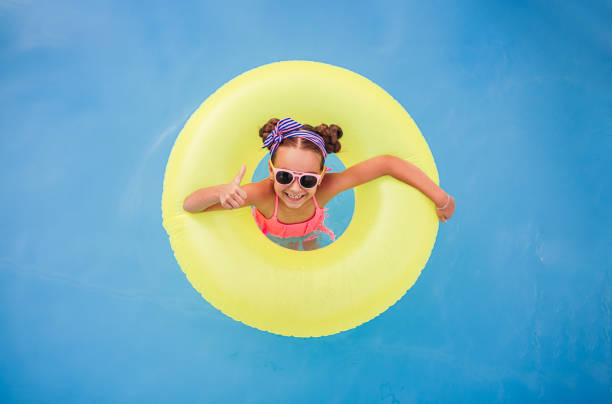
(225, 196)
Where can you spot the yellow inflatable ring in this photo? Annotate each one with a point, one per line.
(300, 293)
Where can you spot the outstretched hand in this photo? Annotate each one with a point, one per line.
(232, 196)
(446, 210)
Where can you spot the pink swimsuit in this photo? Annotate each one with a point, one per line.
(284, 230)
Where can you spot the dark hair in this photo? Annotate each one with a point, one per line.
(330, 135)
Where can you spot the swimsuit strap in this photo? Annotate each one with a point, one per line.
(315, 202)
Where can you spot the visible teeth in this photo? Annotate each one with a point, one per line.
(292, 196)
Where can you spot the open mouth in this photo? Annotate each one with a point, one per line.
(294, 197)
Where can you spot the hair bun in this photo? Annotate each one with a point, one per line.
(330, 134)
(268, 128)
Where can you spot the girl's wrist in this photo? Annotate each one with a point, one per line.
(444, 204)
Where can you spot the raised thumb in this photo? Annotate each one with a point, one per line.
(238, 178)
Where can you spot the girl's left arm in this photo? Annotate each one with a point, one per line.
(398, 168)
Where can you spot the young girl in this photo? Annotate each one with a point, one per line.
(289, 204)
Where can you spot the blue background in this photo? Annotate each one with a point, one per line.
(513, 98)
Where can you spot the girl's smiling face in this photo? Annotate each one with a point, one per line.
(294, 159)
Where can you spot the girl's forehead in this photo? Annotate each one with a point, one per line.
(294, 159)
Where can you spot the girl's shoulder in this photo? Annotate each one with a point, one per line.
(326, 190)
(260, 194)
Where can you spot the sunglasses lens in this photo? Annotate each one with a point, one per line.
(308, 181)
(284, 177)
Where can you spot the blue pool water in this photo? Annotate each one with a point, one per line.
(513, 99)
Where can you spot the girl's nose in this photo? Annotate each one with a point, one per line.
(295, 186)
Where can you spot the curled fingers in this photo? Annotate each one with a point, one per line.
(234, 201)
(242, 193)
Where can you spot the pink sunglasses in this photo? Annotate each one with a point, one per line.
(286, 177)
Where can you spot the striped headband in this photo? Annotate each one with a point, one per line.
(286, 128)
